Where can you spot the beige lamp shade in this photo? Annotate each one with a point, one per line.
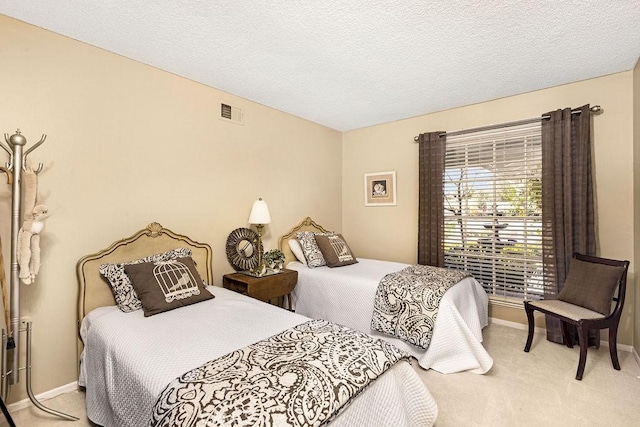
(259, 213)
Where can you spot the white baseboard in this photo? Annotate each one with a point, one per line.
(516, 325)
(24, 403)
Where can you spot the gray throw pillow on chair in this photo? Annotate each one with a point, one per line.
(591, 285)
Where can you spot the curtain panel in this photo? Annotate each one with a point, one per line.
(432, 148)
(568, 223)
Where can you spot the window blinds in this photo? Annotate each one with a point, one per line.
(493, 209)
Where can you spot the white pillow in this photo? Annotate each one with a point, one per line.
(295, 247)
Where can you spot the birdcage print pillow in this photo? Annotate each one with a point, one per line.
(166, 285)
(335, 250)
(123, 292)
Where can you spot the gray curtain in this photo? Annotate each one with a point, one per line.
(568, 224)
(432, 148)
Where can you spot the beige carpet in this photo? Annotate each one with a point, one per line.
(538, 388)
(534, 389)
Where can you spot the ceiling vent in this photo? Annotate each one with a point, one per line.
(231, 114)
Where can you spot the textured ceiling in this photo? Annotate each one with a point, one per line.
(348, 64)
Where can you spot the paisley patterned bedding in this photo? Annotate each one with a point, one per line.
(406, 302)
(304, 375)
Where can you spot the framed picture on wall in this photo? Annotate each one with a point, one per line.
(380, 189)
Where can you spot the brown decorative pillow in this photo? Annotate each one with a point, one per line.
(165, 285)
(591, 285)
(335, 250)
(123, 292)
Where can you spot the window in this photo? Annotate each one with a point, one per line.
(493, 209)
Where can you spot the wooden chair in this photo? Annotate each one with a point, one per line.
(585, 302)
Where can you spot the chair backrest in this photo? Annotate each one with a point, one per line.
(619, 296)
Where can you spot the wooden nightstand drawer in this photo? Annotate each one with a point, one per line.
(263, 288)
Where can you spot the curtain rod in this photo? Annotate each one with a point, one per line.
(594, 109)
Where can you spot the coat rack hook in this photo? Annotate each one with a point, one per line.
(24, 166)
(9, 174)
(9, 164)
(36, 145)
(5, 147)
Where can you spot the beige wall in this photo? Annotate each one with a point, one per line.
(129, 144)
(636, 192)
(391, 232)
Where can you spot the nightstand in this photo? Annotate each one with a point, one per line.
(264, 288)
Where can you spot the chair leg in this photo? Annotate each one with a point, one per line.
(532, 325)
(613, 347)
(583, 339)
(566, 334)
(596, 340)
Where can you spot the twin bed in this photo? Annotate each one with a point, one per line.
(346, 295)
(128, 360)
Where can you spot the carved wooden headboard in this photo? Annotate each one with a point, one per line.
(95, 291)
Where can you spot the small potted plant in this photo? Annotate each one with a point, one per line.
(274, 259)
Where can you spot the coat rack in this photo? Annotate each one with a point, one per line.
(10, 349)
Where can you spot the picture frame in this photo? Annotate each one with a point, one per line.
(380, 188)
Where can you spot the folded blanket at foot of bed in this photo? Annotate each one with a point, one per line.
(406, 302)
(304, 375)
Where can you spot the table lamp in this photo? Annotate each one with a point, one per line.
(259, 216)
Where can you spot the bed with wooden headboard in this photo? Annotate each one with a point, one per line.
(128, 359)
(346, 295)
(94, 290)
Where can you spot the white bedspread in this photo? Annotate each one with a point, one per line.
(128, 360)
(345, 295)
